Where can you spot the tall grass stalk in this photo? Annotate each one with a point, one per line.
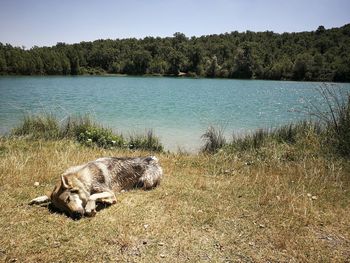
(336, 118)
(214, 140)
(147, 141)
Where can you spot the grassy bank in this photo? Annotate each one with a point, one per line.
(84, 130)
(218, 208)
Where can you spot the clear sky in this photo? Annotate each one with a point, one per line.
(46, 22)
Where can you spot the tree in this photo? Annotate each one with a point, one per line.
(213, 69)
(242, 65)
(302, 66)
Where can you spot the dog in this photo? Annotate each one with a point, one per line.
(81, 187)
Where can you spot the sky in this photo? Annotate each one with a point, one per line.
(46, 22)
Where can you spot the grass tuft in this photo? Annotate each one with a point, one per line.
(214, 140)
(38, 126)
(146, 141)
(336, 119)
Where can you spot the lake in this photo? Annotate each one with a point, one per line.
(179, 110)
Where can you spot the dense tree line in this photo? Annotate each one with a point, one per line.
(322, 55)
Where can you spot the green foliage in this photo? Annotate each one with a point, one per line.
(101, 137)
(320, 55)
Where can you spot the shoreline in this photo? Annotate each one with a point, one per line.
(175, 77)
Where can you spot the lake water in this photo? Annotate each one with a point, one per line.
(179, 110)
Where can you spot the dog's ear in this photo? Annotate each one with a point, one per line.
(65, 182)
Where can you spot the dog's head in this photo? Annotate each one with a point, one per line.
(68, 198)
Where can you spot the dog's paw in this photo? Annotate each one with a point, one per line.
(90, 213)
(90, 208)
(108, 201)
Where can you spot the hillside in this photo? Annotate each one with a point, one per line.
(320, 55)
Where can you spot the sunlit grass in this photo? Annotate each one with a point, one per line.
(208, 208)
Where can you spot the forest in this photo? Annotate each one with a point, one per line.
(320, 55)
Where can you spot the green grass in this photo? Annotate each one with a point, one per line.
(146, 141)
(84, 130)
(328, 133)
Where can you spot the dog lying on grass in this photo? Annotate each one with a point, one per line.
(81, 187)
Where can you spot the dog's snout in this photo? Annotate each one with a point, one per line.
(77, 215)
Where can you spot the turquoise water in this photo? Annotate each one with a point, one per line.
(179, 110)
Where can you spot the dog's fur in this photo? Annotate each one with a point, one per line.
(80, 187)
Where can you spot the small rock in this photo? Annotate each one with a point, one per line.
(56, 244)
(160, 244)
(145, 226)
(251, 243)
(309, 195)
(36, 184)
(261, 225)
(314, 197)
(162, 255)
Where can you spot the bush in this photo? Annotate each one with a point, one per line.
(100, 137)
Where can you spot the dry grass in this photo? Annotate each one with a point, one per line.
(209, 208)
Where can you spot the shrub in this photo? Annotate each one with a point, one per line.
(100, 137)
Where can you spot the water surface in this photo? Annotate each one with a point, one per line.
(179, 110)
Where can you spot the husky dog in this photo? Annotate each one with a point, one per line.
(80, 187)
